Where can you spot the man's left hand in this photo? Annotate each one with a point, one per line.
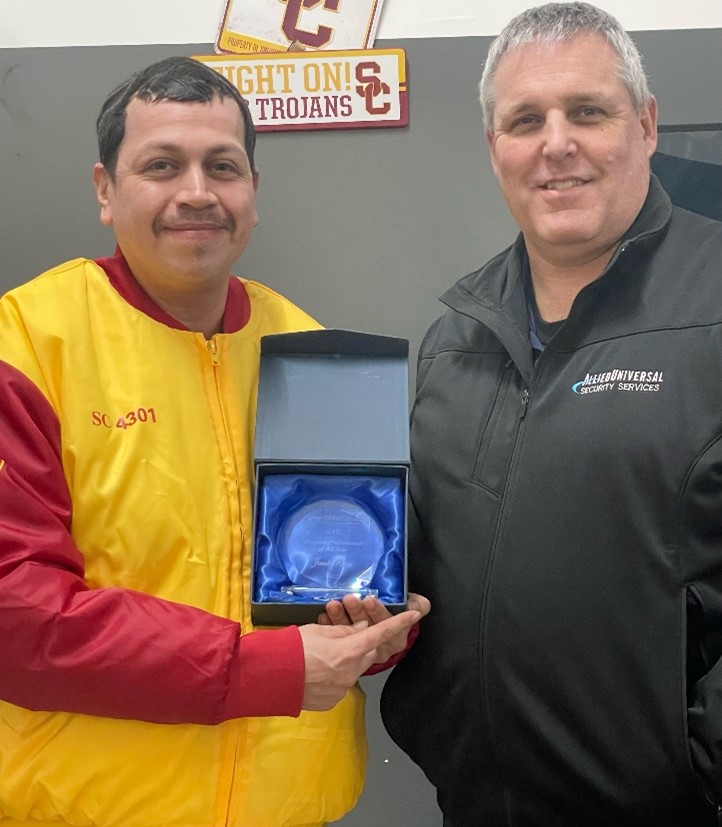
(352, 609)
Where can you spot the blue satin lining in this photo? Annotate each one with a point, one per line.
(283, 499)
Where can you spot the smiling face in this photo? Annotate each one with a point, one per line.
(569, 148)
(182, 200)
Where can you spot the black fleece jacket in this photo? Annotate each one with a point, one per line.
(570, 539)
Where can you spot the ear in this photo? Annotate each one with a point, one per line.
(648, 121)
(103, 186)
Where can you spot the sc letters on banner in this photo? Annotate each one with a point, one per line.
(361, 88)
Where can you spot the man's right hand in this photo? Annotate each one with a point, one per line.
(336, 656)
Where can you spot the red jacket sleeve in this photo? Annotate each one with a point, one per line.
(112, 651)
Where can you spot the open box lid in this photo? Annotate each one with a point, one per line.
(333, 396)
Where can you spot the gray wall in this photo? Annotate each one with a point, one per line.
(363, 228)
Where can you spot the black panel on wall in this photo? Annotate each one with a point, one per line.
(688, 162)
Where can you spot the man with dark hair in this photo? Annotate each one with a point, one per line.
(133, 688)
(175, 78)
(567, 469)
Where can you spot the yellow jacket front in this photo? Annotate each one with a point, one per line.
(130, 698)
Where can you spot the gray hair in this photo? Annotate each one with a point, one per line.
(555, 22)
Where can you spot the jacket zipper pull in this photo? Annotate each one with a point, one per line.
(524, 403)
(213, 350)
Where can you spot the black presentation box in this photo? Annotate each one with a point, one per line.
(331, 473)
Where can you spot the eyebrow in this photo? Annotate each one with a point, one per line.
(572, 100)
(218, 149)
(222, 149)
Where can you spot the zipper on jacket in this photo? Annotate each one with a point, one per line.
(524, 403)
(488, 577)
(235, 578)
(213, 351)
(239, 737)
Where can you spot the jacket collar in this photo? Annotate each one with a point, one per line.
(235, 316)
(494, 295)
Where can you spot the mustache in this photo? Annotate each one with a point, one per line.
(196, 219)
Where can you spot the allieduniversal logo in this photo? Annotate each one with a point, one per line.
(634, 381)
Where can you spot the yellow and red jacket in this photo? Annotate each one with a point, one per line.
(129, 696)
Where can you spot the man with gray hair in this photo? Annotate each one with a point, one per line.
(567, 468)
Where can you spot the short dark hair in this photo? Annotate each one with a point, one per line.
(174, 79)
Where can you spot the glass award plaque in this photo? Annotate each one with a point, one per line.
(319, 537)
(332, 547)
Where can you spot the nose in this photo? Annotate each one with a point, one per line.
(559, 140)
(195, 189)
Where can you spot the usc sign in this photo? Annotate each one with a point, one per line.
(324, 89)
(262, 26)
(291, 25)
